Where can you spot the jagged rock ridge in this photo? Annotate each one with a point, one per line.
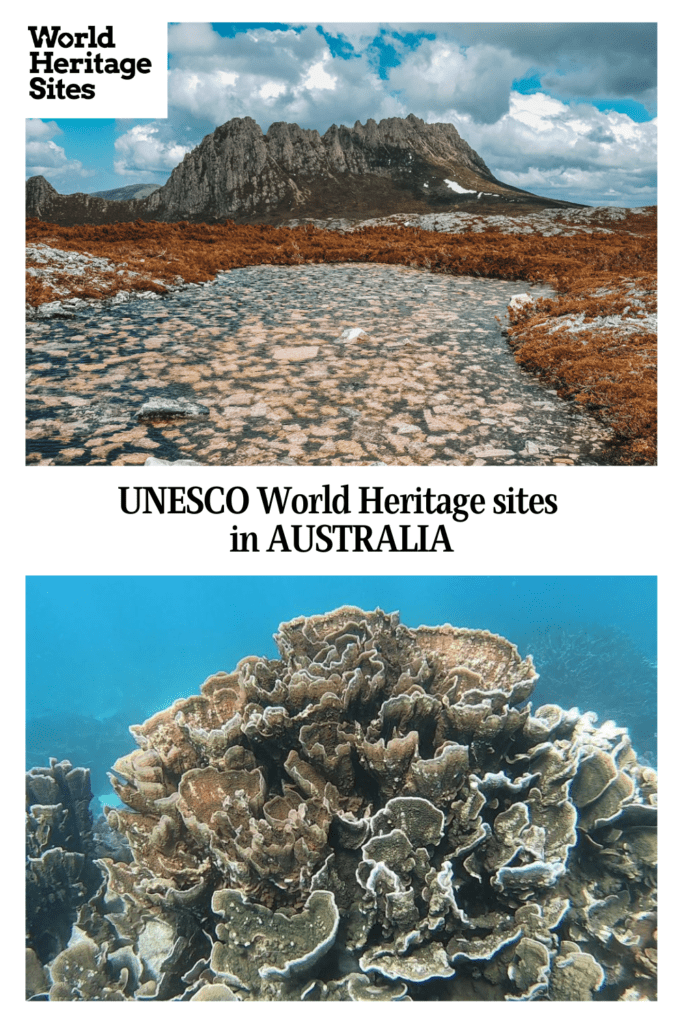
(127, 192)
(238, 173)
(45, 203)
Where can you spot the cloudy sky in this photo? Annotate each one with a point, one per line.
(562, 110)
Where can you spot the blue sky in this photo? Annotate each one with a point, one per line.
(563, 110)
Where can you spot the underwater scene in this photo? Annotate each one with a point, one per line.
(341, 788)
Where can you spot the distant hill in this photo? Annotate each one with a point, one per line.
(400, 165)
(127, 192)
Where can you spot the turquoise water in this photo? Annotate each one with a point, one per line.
(107, 652)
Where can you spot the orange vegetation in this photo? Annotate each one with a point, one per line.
(598, 274)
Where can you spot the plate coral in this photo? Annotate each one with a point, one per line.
(377, 814)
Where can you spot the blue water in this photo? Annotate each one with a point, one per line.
(107, 652)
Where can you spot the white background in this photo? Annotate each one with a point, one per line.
(144, 95)
(66, 520)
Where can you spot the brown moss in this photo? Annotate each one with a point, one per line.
(37, 292)
(613, 375)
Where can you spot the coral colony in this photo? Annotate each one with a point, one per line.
(376, 815)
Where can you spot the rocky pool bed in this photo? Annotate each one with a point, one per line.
(315, 364)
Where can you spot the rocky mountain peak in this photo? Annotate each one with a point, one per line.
(237, 172)
(39, 193)
(399, 165)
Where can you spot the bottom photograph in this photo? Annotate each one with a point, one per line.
(341, 788)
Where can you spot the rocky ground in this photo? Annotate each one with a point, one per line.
(103, 346)
(63, 273)
(370, 365)
(549, 222)
(634, 317)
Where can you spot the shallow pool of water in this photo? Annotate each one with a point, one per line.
(430, 382)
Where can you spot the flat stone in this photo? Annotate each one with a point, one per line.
(351, 333)
(240, 398)
(259, 409)
(171, 408)
(519, 300)
(152, 461)
(484, 452)
(293, 355)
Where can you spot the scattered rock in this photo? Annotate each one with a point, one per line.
(49, 309)
(574, 323)
(337, 406)
(563, 222)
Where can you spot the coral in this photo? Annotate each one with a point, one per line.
(376, 814)
(60, 873)
(599, 668)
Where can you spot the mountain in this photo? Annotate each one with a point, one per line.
(127, 192)
(45, 203)
(400, 165)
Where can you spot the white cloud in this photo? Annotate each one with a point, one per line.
(570, 151)
(318, 77)
(607, 59)
(464, 75)
(276, 76)
(143, 148)
(537, 110)
(359, 35)
(191, 37)
(37, 129)
(44, 156)
(438, 75)
(271, 90)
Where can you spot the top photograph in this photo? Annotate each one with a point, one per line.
(361, 245)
